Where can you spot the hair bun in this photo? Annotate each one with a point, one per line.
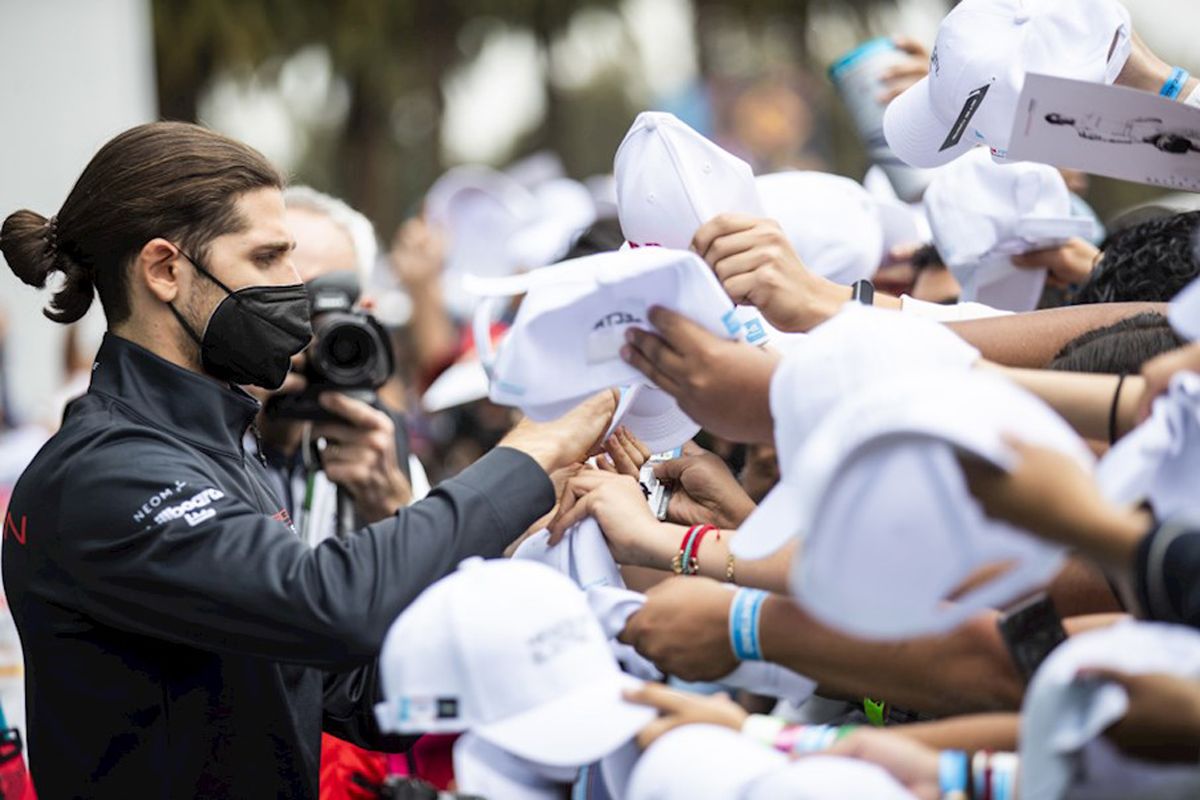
(30, 243)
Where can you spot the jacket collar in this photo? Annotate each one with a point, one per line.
(179, 401)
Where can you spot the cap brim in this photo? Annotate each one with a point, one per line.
(578, 728)
(461, 383)
(661, 426)
(769, 527)
(913, 132)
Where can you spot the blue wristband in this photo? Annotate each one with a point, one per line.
(743, 624)
(1174, 85)
(954, 770)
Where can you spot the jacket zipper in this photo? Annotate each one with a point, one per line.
(262, 458)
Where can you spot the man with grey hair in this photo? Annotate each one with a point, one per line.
(366, 455)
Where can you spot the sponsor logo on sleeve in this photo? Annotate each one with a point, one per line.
(194, 510)
(149, 507)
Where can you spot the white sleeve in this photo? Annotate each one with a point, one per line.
(958, 312)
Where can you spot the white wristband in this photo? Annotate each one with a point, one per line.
(1193, 99)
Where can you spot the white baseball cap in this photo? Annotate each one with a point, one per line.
(564, 209)
(983, 213)
(462, 382)
(511, 651)
(701, 762)
(825, 777)
(564, 344)
(671, 180)
(1062, 713)
(1184, 311)
(582, 555)
(844, 355)
(482, 769)
(983, 51)
(903, 222)
(1158, 461)
(832, 222)
(479, 209)
(888, 528)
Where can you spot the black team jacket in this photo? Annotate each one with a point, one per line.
(179, 638)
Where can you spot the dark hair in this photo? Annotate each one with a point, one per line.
(1120, 348)
(927, 257)
(1149, 262)
(169, 179)
(602, 236)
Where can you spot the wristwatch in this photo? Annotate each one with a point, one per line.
(863, 292)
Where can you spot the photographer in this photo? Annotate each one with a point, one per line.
(363, 454)
(180, 640)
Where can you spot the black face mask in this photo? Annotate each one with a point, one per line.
(253, 333)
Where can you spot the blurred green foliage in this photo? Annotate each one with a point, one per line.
(390, 49)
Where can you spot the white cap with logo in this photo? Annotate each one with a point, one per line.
(983, 213)
(509, 650)
(670, 180)
(983, 52)
(565, 342)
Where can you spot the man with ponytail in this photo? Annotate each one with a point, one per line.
(180, 640)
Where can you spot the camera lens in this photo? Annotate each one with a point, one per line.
(349, 348)
(350, 351)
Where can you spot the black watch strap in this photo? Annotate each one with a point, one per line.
(863, 292)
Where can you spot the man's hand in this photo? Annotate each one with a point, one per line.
(913, 765)
(619, 507)
(624, 454)
(570, 439)
(756, 264)
(703, 490)
(1048, 494)
(680, 708)
(684, 628)
(898, 78)
(721, 384)
(1068, 264)
(1163, 719)
(360, 456)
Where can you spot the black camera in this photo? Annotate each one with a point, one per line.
(350, 352)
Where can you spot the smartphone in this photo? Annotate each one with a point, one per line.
(1031, 629)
